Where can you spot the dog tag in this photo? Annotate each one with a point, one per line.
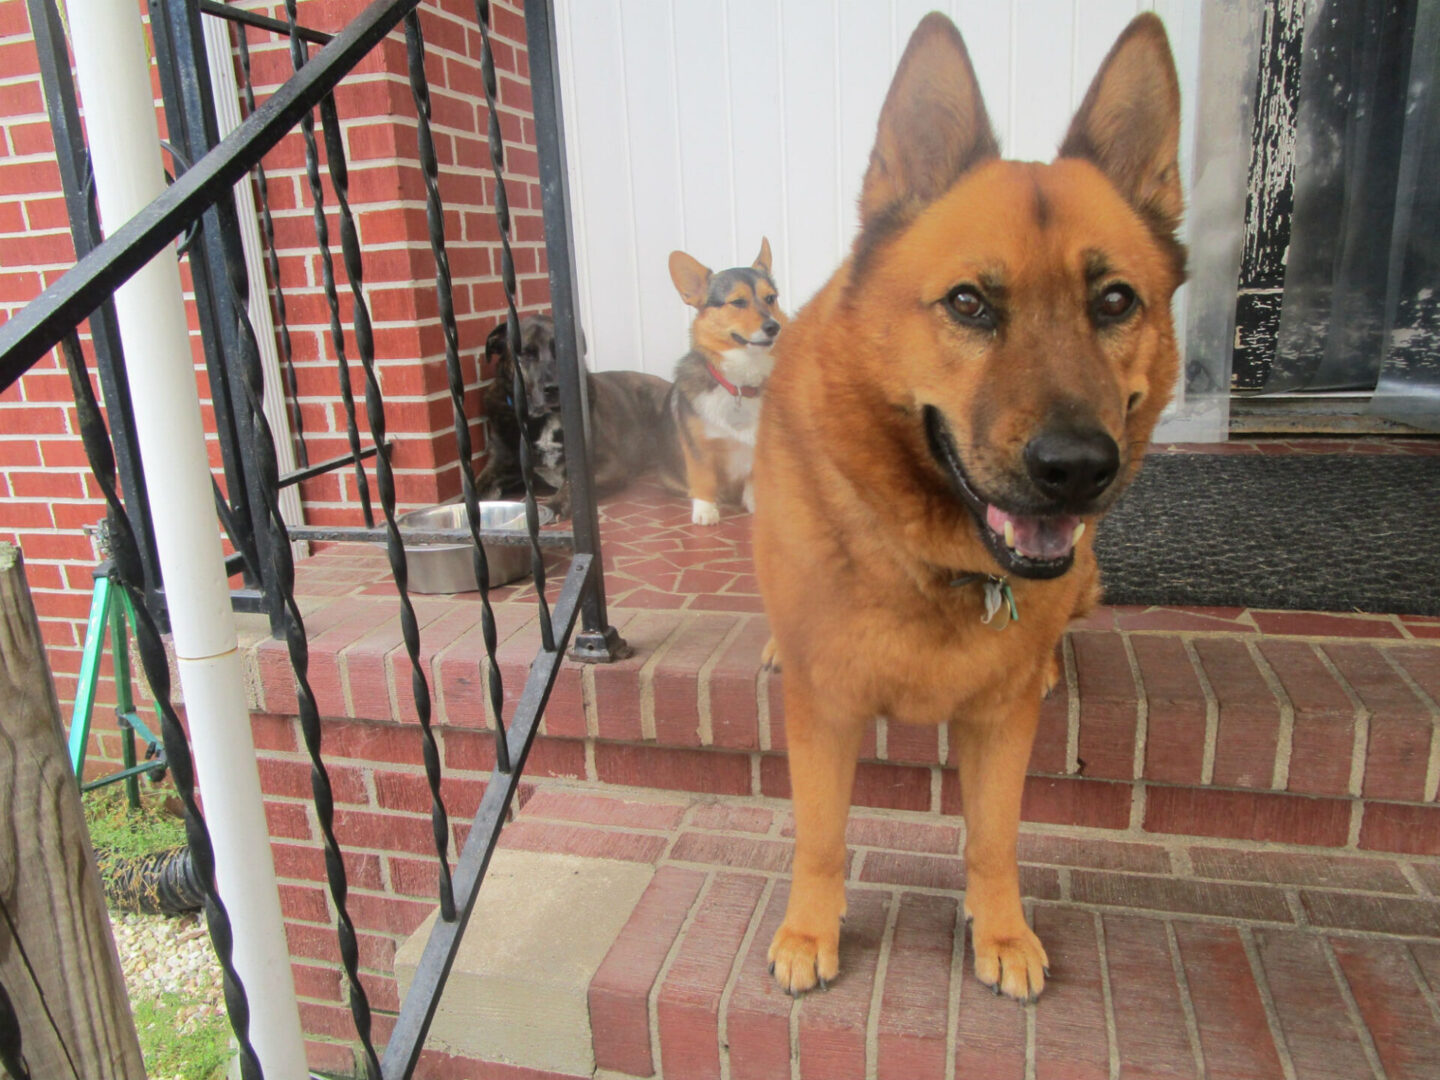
(999, 601)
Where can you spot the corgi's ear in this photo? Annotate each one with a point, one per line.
(762, 261)
(933, 125)
(1129, 123)
(690, 276)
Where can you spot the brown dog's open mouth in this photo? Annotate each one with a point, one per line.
(1028, 545)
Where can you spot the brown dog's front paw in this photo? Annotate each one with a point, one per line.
(1052, 675)
(770, 656)
(799, 960)
(1013, 963)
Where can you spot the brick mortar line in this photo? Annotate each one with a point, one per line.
(957, 982)
(877, 990)
(1352, 1010)
(1187, 1003)
(1139, 798)
(1031, 1035)
(937, 783)
(1361, 739)
(1107, 997)
(1409, 873)
(1285, 731)
(1142, 710)
(1356, 823)
(1296, 905)
(763, 675)
(1131, 833)
(1212, 712)
(723, 1026)
(1072, 707)
(1267, 1002)
(702, 682)
(1422, 984)
(590, 706)
(645, 676)
(1237, 922)
(652, 1000)
(794, 1030)
(861, 852)
(1432, 766)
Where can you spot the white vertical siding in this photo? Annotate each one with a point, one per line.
(705, 126)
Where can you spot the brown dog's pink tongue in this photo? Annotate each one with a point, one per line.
(1034, 537)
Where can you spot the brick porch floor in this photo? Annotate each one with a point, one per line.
(1170, 956)
(1232, 846)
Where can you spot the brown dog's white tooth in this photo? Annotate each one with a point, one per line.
(1079, 532)
(1009, 534)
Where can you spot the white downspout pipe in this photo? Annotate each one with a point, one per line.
(114, 76)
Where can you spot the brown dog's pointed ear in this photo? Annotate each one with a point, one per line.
(762, 261)
(1129, 123)
(933, 125)
(690, 276)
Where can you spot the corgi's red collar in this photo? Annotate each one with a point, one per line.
(731, 388)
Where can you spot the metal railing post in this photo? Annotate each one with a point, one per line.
(596, 641)
(190, 110)
(74, 161)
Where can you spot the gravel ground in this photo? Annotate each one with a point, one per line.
(160, 953)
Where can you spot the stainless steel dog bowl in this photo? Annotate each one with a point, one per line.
(447, 567)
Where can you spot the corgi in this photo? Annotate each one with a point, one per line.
(948, 418)
(714, 404)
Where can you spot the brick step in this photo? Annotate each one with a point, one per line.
(1168, 958)
(1176, 721)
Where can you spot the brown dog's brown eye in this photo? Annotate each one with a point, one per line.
(1115, 303)
(771, 300)
(740, 303)
(1135, 399)
(967, 305)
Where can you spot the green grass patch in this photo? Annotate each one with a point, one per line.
(118, 831)
(178, 1043)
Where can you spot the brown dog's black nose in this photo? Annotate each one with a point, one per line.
(1072, 466)
(770, 328)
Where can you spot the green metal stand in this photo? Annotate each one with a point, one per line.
(110, 607)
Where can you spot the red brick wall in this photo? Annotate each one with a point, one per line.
(46, 494)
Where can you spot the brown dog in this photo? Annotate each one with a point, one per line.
(976, 384)
(627, 419)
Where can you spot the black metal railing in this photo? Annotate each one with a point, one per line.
(250, 509)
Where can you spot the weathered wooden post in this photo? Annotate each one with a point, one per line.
(57, 957)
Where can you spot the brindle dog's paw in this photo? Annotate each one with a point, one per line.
(1013, 964)
(800, 960)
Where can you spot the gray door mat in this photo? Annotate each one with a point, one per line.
(1323, 532)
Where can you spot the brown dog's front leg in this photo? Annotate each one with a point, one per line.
(823, 751)
(994, 749)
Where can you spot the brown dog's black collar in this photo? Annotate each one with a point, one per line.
(731, 388)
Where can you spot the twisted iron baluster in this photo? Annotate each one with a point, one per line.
(237, 279)
(434, 214)
(512, 335)
(298, 56)
(130, 571)
(385, 480)
(272, 263)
